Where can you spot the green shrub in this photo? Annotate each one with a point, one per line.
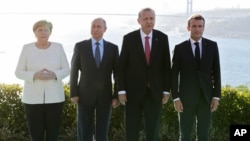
(69, 119)
(233, 109)
(13, 120)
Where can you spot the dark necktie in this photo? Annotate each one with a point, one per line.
(147, 49)
(197, 53)
(97, 54)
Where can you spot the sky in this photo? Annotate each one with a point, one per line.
(18, 16)
(114, 6)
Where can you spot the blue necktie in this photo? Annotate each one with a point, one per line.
(97, 54)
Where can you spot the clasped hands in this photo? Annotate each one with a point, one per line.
(45, 74)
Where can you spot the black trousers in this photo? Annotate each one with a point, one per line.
(134, 116)
(198, 114)
(44, 121)
(93, 120)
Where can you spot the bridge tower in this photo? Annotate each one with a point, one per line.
(189, 7)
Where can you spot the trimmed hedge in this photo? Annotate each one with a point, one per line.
(234, 109)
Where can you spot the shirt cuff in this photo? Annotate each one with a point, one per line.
(176, 99)
(165, 92)
(216, 98)
(121, 92)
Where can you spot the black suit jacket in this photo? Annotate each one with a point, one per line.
(188, 79)
(135, 74)
(94, 84)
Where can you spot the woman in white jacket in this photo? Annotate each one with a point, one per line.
(42, 65)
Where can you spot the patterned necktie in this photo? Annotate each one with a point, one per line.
(97, 54)
(197, 53)
(147, 49)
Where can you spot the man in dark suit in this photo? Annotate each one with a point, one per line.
(144, 77)
(93, 64)
(196, 81)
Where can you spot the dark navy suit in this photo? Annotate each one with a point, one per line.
(94, 88)
(196, 85)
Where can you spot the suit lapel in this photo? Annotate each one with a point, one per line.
(139, 46)
(204, 50)
(89, 52)
(105, 53)
(154, 45)
(190, 51)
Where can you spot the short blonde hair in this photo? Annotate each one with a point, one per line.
(42, 23)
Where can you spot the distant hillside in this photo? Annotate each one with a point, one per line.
(230, 23)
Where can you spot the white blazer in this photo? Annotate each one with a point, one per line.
(33, 59)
